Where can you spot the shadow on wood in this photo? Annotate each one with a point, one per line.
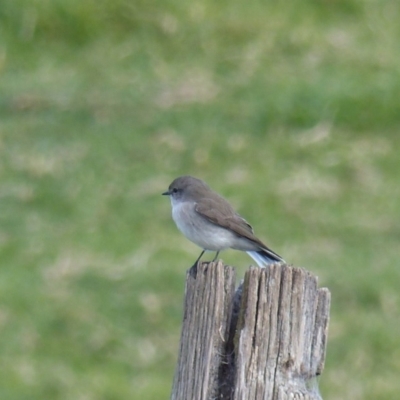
(266, 340)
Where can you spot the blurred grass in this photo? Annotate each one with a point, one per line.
(290, 110)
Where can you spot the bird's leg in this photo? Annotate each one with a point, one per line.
(216, 256)
(198, 259)
(193, 270)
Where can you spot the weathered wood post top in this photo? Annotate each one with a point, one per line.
(264, 340)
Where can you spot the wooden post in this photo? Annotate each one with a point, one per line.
(266, 340)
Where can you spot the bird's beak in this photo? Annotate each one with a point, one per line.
(166, 193)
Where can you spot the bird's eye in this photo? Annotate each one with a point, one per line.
(174, 190)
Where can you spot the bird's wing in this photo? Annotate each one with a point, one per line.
(226, 217)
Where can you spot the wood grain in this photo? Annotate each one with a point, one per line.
(266, 340)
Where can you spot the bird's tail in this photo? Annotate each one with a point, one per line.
(265, 257)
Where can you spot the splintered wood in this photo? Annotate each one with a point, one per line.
(265, 341)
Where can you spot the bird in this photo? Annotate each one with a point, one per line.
(209, 221)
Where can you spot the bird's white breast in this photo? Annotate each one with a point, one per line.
(198, 229)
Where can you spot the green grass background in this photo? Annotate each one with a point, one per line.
(291, 110)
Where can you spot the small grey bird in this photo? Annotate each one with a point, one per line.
(209, 221)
